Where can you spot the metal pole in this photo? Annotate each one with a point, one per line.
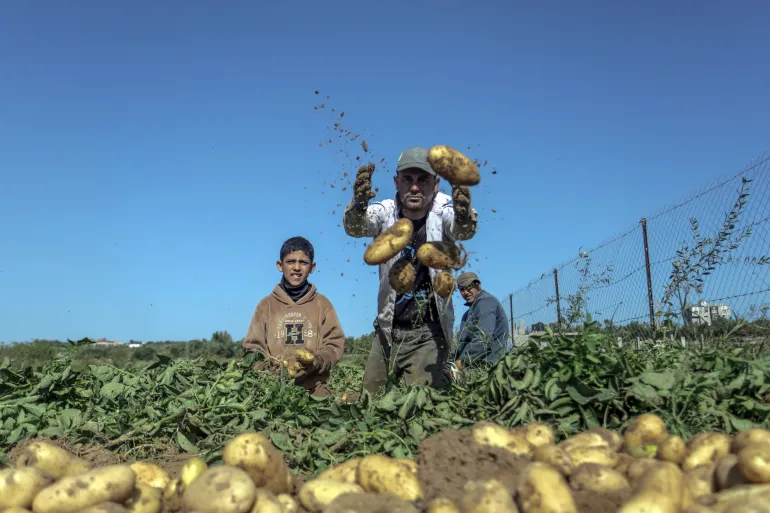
(513, 322)
(649, 274)
(558, 303)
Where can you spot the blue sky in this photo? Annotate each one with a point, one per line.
(155, 155)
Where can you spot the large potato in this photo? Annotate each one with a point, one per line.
(344, 472)
(315, 495)
(220, 489)
(666, 478)
(113, 483)
(150, 474)
(538, 434)
(389, 243)
(749, 436)
(597, 454)
(597, 437)
(444, 284)
(495, 435)
(54, 460)
(736, 499)
(598, 478)
(442, 255)
(18, 486)
(379, 474)
(542, 489)
(554, 456)
(754, 462)
(672, 448)
(402, 276)
(487, 496)
(145, 499)
(256, 455)
(706, 450)
(453, 166)
(645, 429)
(649, 501)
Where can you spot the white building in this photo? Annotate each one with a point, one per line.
(703, 313)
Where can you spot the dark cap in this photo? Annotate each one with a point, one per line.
(415, 157)
(465, 279)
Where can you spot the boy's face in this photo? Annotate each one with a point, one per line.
(296, 267)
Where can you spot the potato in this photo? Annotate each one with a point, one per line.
(18, 486)
(487, 496)
(646, 428)
(638, 467)
(304, 356)
(495, 435)
(379, 474)
(54, 460)
(15, 509)
(649, 501)
(145, 499)
(344, 472)
(441, 255)
(444, 284)
(315, 495)
(453, 166)
(624, 462)
(256, 455)
(594, 437)
(556, 457)
(191, 469)
(288, 503)
(220, 489)
(150, 474)
(442, 505)
(735, 500)
(113, 483)
(370, 503)
(754, 462)
(402, 276)
(389, 243)
(706, 450)
(700, 480)
(666, 478)
(749, 436)
(596, 454)
(598, 478)
(267, 502)
(542, 489)
(105, 507)
(726, 472)
(672, 449)
(538, 434)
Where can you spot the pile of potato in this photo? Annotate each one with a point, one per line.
(658, 472)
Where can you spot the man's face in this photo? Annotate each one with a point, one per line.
(296, 267)
(471, 292)
(416, 188)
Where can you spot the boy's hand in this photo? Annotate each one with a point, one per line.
(461, 197)
(362, 188)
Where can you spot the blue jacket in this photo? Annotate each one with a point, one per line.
(483, 330)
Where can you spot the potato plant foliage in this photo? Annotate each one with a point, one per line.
(571, 384)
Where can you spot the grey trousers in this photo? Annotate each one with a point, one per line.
(418, 355)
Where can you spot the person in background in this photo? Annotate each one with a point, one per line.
(484, 329)
(295, 316)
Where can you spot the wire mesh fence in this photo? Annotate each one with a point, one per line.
(695, 268)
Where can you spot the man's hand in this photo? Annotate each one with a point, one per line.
(362, 188)
(461, 197)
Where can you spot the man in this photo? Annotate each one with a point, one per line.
(296, 316)
(484, 327)
(414, 329)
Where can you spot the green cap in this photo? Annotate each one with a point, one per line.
(465, 279)
(415, 157)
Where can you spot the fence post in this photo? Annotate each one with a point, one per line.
(558, 303)
(513, 323)
(649, 274)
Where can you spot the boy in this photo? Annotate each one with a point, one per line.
(295, 316)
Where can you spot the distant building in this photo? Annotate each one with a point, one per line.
(134, 344)
(105, 342)
(538, 327)
(704, 313)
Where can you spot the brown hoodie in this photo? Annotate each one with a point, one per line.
(280, 326)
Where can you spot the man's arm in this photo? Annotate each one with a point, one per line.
(363, 221)
(256, 335)
(332, 339)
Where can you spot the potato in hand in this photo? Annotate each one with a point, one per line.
(389, 243)
(453, 166)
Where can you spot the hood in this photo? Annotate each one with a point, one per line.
(284, 298)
